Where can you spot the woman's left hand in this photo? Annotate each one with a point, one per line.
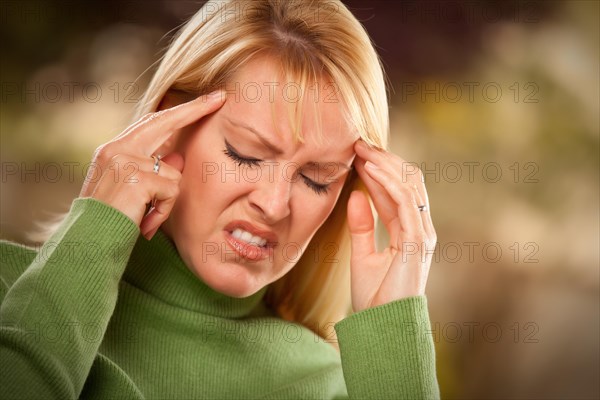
(402, 268)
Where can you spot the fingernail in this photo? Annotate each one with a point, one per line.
(150, 234)
(370, 166)
(210, 97)
(145, 232)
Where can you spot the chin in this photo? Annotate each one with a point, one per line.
(230, 279)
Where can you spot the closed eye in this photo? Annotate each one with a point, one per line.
(229, 151)
(318, 188)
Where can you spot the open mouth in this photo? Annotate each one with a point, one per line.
(251, 234)
(252, 249)
(249, 238)
(250, 241)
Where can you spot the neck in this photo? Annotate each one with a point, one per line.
(156, 268)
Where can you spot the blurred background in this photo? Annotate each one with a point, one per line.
(496, 101)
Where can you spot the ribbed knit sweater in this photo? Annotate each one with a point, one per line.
(100, 312)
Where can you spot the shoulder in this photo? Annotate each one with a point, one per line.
(89, 225)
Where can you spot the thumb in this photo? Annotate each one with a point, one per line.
(361, 225)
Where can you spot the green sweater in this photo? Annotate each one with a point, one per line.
(100, 312)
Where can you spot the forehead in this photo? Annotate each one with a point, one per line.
(259, 96)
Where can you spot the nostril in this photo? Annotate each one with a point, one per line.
(271, 204)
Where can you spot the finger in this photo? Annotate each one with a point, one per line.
(361, 225)
(133, 164)
(172, 98)
(404, 197)
(156, 217)
(426, 215)
(174, 164)
(408, 172)
(384, 204)
(157, 128)
(402, 170)
(408, 273)
(165, 195)
(373, 154)
(419, 201)
(132, 127)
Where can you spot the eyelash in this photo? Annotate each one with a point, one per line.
(253, 162)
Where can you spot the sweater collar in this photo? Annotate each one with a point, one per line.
(156, 268)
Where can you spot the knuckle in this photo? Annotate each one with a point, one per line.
(146, 117)
(156, 116)
(103, 153)
(434, 237)
(149, 118)
(411, 172)
(170, 172)
(175, 189)
(177, 176)
(412, 237)
(118, 158)
(419, 174)
(405, 190)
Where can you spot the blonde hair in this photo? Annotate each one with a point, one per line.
(309, 38)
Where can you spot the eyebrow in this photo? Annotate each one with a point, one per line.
(276, 149)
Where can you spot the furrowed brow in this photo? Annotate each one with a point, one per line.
(277, 150)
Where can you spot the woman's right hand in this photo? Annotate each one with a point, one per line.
(123, 176)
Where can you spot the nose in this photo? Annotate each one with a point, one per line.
(271, 198)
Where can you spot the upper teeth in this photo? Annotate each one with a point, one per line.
(241, 234)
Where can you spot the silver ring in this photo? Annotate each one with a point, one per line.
(423, 207)
(156, 167)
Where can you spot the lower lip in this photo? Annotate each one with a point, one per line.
(248, 251)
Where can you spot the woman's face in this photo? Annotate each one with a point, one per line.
(283, 198)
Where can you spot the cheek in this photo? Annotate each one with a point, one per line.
(200, 187)
(209, 182)
(309, 214)
(326, 207)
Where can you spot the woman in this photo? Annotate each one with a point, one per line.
(240, 283)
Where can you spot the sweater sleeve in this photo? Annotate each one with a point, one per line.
(53, 318)
(387, 351)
